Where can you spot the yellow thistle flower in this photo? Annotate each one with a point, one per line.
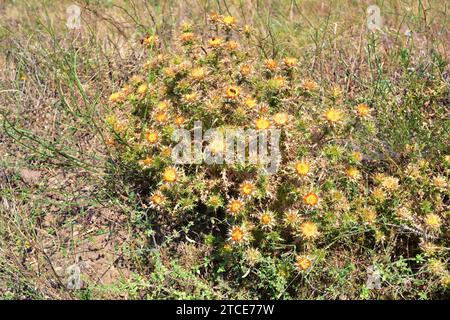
(379, 194)
(433, 221)
(157, 200)
(215, 201)
(198, 74)
(353, 173)
(303, 263)
(232, 92)
(142, 89)
(191, 97)
(235, 206)
(115, 97)
(229, 21)
(262, 124)
(291, 218)
(152, 136)
(111, 119)
(337, 196)
(215, 42)
(170, 175)
(390, 183)
(356, 156)
(245, 69)
(250, 103)
(186, 26)
(429, 248)
(247, 189)
(271, 64)
(311, 199)
(252, 256)
(137, 79)
(277, 82)
(404, 213)
(231, 45)
(166, 152)
(290, 62)
(333, 115)
(161, 117)
(169, 72)
(445, 279)
(280, 119)
(147, 162)
(248, 29)
(440, 182)
(163, 105)
(267, 219)
(310, 85)
(437, 267)
(309, 230)
(302, 168)
(237, 235)
(214, 17)
(179, 121)
(363, 110)
(369, 215)
(187, 37)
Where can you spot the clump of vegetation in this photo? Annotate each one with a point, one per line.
(334, 182)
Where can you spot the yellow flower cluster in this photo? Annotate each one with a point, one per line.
(322, 184)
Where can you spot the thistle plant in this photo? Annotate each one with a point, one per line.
(331, 180)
